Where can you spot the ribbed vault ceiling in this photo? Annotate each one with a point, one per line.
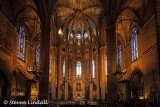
(78, 15)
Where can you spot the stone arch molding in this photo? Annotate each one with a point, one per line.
(29, 19)
(22, 70)
(126, 21)
(136, 84)
(18, 84)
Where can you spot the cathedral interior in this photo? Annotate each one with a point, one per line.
(86, 52)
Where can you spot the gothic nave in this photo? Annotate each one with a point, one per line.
(103, 53)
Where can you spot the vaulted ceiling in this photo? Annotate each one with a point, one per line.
(78, 15)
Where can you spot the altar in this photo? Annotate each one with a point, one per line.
(79, 90)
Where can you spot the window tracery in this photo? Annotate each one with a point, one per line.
(93, 68)
(21, 44)
(37, 54)
(78, 69)
(106, 66)
(134, 44)
(119, 55)
(64, 70)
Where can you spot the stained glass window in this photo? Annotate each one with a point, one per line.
(78, 69)
(64, 69)
(85, 35)
(72, 34)
(38, 54)
(134, 44)
(119, 55)
(21, 43)
(50, 64)
(93, 69)
(78, 34)
(106, 67)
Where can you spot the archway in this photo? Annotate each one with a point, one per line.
(18, 87)
(3, 85)
(13, 85)
(21, 86)
(136, 85)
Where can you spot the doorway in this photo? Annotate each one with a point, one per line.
(136, 85)
(18, 86)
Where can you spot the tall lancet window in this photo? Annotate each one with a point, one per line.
(134, 44)
(64, 69)
(50, 64)
(78, 69)
(119, 55)
(93, 68)
(37, 54)
(106, 66)
(21, 44)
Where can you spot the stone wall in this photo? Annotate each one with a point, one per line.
(147, 53)
(8, 42)
(9, 48)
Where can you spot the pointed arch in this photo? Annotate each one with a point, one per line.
(20, 12)
(78, 69)
(126, 20)
(22, 43)
(137, 84)
(93, 68)
(132, 11)
(134, 44)
(119, 54)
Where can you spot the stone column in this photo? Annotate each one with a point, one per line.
(91, 91)
(103, 72)
(70, 76)
(74, 73)
(9, 90)
(28, 90)
(74, 67)
(97, 75)
(157, 6)
(44, 55)
(90, 77)
(83, 76)
(66, 76)
(53, 82)
(87, 78)
(111, 61)
(59, 75)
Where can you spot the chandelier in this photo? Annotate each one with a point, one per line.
(34, 69)
(120, 73)
(35, 72)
